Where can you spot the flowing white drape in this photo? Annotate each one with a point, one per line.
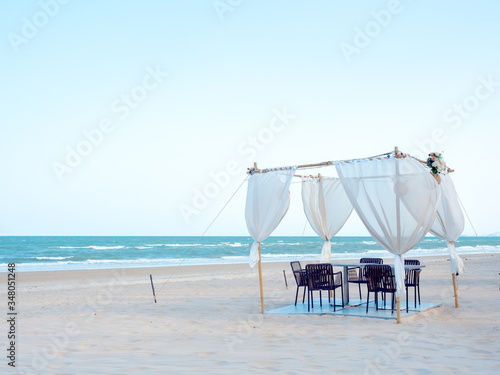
(327, 208)
(267, 202)
(396, 199)
(450, 221)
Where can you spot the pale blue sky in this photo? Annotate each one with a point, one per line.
(228, 76)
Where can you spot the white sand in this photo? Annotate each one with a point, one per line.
(207, 320)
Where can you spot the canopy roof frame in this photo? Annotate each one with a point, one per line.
(396, 153)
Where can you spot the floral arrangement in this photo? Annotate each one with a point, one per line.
(435, 162)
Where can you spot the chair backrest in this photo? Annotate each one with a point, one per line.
(368, 260)
(295, 266)
(353, 274)
(319, 276)
(412, 276)
(372, 260)
(373, 275)
(412, 262)
(298, 273)
(379, 278)
(389, 280)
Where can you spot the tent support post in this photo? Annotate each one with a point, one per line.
(398, 213)
(455, 288)
(399, 309)
(260, 281)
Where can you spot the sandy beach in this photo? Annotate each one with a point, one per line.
(137, 135)
(207, 320)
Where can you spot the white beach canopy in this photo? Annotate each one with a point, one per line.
(327, 208)
(396, 199)
(395, 195)
(450, 221)
(267, 203)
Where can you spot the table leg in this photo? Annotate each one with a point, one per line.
(346, 285)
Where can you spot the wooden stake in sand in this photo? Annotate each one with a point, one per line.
(455, 288)
(261, 287)
(152, 287)
(284, 275)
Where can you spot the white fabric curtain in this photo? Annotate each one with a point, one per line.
(267, 202)
(327, 208)
(396, 199)
(450, 221)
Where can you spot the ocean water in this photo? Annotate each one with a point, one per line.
(70, 253)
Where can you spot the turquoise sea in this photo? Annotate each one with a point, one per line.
(69, 253)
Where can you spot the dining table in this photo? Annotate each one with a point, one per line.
(347, 265)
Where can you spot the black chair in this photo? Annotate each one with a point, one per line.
(412, 279)
(300, 278)
(321, 277)
(356, 274)
(380, 279)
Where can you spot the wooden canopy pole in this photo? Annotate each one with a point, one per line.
(260, 272)
(261, 287)
(399, 310)
(325, 163)
(397, 154)
(455, 288)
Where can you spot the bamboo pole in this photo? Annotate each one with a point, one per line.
(260, 280)
(399, 310)
(455, 288)
(322, 164)
(398, 214)
(398, 154)
(260, 269)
